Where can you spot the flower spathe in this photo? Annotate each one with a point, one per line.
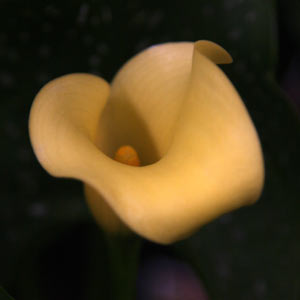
(200, 153)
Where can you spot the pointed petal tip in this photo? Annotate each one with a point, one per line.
(213, 51)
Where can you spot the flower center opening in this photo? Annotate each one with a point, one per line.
(127, 155)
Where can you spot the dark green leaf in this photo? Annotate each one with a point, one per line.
(4, 295)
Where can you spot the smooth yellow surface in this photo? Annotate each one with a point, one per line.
(183, 116)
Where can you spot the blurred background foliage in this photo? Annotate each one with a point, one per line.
(50, 246)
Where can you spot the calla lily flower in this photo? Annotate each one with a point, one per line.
(199, 151)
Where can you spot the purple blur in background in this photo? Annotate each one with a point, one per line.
(163, 278)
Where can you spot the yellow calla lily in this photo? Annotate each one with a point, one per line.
(199, 150)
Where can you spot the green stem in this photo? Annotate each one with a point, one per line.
(123, 256)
